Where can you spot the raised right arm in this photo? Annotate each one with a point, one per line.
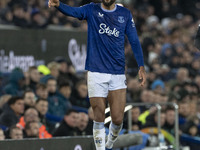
(77, 12)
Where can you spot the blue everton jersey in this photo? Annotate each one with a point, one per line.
(106, 36)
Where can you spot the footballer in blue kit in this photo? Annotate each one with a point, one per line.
(108, 23)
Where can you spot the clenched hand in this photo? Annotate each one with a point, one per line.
(142, 76)
(53, 3)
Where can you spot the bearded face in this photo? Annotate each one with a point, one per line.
(108, 3)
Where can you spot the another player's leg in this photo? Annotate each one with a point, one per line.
(117, 102)
(98, 106)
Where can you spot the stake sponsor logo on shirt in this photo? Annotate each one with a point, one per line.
(106, 29)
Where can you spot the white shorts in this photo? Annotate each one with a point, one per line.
(99, 84)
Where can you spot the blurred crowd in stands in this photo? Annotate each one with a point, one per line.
(52, 100)
(46, 101)
(36, 14)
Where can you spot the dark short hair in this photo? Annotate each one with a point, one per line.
(41, 99)
(14, 99)
(134, 107)
(81, 82)
(70, 111)
(182, 102)
(41, 86)
(13, 128)
(163, 111)
(27, 91)
(170, 108)
(64, 85)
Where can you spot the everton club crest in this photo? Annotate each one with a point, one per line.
(121, 19)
